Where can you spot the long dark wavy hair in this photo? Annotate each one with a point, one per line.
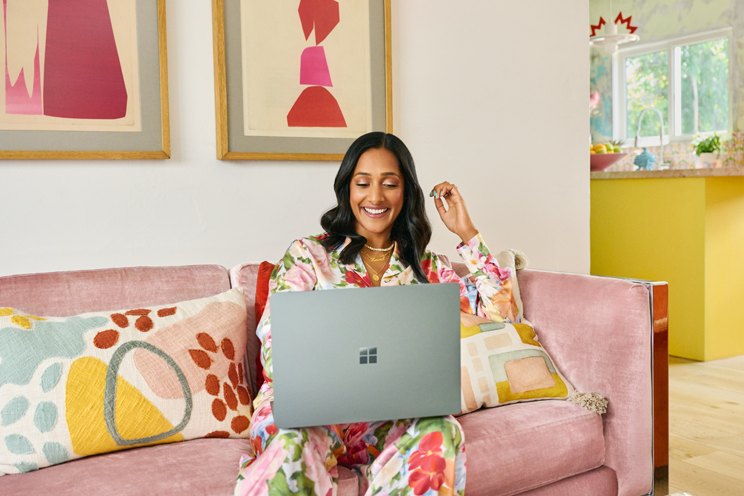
(411, 229)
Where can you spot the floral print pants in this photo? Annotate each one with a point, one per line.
(417, 457)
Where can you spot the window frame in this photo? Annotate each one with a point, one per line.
(619, 90)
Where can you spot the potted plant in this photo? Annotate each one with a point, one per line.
(708, 152)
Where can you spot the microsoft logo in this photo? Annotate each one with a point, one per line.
(367, 355)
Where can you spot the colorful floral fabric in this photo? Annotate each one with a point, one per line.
(398, 457)
(412, 457)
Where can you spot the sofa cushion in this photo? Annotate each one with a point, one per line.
(528, 445)
(601, 481)
(203, 466)
(105, 381)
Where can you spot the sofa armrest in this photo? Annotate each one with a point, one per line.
(599, 332)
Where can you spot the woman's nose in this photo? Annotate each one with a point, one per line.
(375, 194)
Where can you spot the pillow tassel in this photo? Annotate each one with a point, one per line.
(520, 259)
(591, 401)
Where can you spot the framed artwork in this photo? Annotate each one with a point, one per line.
(300, 79)
(84, 79)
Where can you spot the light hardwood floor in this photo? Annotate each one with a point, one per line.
(706, 427)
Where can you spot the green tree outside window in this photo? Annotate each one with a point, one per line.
(647, 86)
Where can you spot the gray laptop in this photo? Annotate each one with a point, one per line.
(362, 355)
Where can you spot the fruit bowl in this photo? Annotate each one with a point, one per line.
(601, 161)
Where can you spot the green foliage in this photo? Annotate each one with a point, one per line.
(704, 88)
(704, 70)
(647, 86)
(708, 145)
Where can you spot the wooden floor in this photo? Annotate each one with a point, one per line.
(706, 427)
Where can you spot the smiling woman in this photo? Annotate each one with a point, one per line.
(375, 236)
(379, 201)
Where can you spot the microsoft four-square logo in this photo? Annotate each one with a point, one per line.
(367, 355)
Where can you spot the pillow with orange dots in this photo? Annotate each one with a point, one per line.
(106, 381)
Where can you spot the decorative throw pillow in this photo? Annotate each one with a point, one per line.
(106, 381)
(505, 363)
(262, 296)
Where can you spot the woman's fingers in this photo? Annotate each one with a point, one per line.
(440, 206)
(444, 190)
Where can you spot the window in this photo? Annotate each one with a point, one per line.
(686, 79)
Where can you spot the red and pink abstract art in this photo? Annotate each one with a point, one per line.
(316, 106)
(82, 77)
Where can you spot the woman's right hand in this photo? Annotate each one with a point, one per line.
(455, 216)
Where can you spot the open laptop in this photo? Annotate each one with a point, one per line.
(365, 354)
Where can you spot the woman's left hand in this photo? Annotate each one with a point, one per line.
(456, 218)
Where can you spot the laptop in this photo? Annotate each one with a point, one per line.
(365, 354)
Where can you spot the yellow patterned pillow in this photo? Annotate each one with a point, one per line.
(505, 363)
(106, 381)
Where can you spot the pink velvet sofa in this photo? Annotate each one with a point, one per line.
(598, 331)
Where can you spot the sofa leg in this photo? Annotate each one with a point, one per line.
(661, 481)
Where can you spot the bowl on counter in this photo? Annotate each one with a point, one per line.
(601, 161)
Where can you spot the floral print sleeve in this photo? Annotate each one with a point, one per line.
(294, 272)
(495, 299)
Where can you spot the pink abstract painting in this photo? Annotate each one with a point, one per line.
(323, 15)
(82, 77)
(17, 99)
(82, 72)
(314, 67)
(316, 106)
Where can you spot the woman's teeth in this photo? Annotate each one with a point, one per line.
(374, 211)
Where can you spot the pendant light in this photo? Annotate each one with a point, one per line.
(611, 39)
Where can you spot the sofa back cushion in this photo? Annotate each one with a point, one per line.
(63, 294)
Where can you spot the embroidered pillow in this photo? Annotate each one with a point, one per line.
(106, 381)
(505, 363)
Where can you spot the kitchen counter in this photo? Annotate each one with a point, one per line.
(728, 171)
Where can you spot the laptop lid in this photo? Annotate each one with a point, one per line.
(365, 354)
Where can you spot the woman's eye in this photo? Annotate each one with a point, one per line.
(390, 185)
(362, 185)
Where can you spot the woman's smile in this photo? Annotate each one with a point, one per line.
(375, 213)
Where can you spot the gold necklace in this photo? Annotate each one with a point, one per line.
(379, 249)
(373, 259)
(376, 275)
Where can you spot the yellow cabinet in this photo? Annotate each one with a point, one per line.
(688, 231)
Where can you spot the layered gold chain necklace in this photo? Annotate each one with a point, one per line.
(386, 258)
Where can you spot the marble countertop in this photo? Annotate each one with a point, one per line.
(728, 171)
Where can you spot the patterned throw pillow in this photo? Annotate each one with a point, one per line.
(505, 363)
(106, 381)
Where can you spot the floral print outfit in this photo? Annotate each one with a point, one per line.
(405, 457)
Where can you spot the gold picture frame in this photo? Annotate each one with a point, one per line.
(233, 54)
(144, 132)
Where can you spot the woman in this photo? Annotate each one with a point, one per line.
(376, 235)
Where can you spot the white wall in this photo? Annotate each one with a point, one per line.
(489, 95)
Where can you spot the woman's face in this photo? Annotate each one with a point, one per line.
(376, 194)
